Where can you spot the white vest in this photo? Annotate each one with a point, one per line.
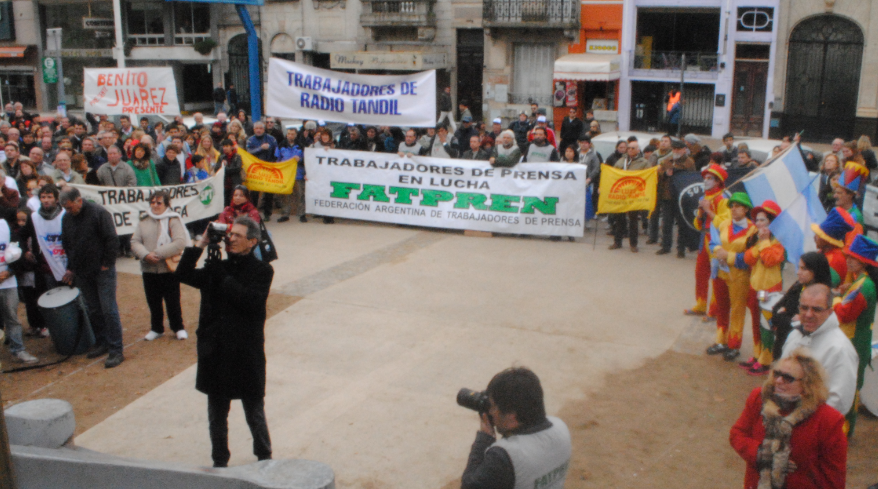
(539, 154)
(5, 235)
(49, 239)
(541, 459)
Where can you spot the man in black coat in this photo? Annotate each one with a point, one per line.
(571, 129)
(231, 335)
(89, 239)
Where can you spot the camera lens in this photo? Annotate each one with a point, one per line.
(475, 400)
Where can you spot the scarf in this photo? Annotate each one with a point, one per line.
(140, 164)
(49, 214)
(773, 456)
(164, 233)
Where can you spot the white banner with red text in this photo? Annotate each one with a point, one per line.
(531, 198)
(305, 92)
(116, 91)
(128, 205)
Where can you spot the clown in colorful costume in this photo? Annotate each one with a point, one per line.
(712, 208)
(829, 237)
(856, 309)
(764, 256)
(852, 181)
(732, 283)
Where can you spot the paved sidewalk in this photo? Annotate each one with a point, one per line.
(363, 372)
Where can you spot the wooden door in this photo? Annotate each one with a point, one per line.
(748, 100)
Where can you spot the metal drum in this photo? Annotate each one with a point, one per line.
(767, 301)
(65, 317)
(869, 392)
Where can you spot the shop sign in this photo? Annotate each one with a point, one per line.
(81, 53)
(400, 61)
(96, 23)
(50, 70)
(602, 46)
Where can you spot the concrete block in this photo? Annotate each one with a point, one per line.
(477, 234)
(47, 423)
(78, 468)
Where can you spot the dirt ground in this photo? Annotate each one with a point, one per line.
(96, 392)
(665, 424)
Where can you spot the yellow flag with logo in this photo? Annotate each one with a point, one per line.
(625, 191)
(264, 176)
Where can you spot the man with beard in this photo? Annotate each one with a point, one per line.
(540, 150)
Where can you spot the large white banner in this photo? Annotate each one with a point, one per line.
(193, 201)
(114, 91)
(530, 198)
(305, 92)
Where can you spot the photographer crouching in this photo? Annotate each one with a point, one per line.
(231, 336)
(535, 449)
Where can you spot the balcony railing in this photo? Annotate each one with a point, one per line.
(673, 61)
(410, 13)
(148, 39)
(530, 13)
(544, 100)
(189, 39)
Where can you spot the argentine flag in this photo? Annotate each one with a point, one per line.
(786, 181)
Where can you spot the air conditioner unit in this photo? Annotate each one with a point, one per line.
(304, 44)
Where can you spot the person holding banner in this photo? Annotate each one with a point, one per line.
(856, 308)
(115, 173)
(672, 158)
(506, 153)
(263, 146)
(287, 150)
(144, 169)
(728, 241)
(539, 150)
(627, 221)
(234, 166)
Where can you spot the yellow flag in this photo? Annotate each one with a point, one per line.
(624, 191)
(263, 176)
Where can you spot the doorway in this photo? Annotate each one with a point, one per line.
(239, 69)
(823, 78)
(750, 82)
(470, 65)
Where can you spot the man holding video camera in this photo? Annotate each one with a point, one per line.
(231, 336)
(535, 449)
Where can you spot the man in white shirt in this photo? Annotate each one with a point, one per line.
(821, 334)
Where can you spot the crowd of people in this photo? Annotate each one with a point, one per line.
(829, 309)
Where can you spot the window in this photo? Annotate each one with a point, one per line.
(145, 24)
(191, 18)
(755, 19)
(532, 71)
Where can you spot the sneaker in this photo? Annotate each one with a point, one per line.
(182, 334)
(44, 333)
(708, 319)
(661, 251)
(303, 219)
(717, 349)
(634, 249)
(284, 219)
(614, 247)
(750, 363)
(758, 369)
(730, 355)
(98, 351)
(24, 357)
(114, 360)
(152, 335)
(267, 218)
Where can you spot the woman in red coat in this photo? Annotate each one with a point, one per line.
(240, 206)
(787, 434)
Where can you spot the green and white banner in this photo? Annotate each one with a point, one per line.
(530, 198)
(193, 201)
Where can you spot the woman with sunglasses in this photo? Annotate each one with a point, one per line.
(856, 307)
(788, 435)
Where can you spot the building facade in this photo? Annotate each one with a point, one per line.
(827, 83)
(19, 54)
(722, 53)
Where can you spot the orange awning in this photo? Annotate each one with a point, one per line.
(12, 51)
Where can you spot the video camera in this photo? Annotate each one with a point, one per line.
(216, 233)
